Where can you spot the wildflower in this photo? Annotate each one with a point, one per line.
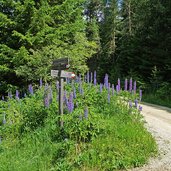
(130, 104)
(130, 84)
(3, 98)
(119, 84)
(95, 81)
(86, 113)
(135, 87)
(41, 83)
(126, 84)
(9, 95)
(140, 95)
(70, 104)
(101, 87)
(108, 98)
(106, 80)
(65, 98)
(17, 95)
(140, 108)
(46, 101)
(31, 89)
(108, 87)
(50, 94)
(74, 93)
(113, 89)
(136, 103)
(88, 77)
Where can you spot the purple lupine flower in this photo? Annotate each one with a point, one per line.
(140, 95)
(3, 98)
(95, 80)
(17, 95)
(106, 80)
(86, 113)
(50, 94)
(31, 89)
(46, 101)
(88, 77)
(130, 104)
(70, 103)
(40, 82)
(119, 84)
(140, 108)
(136, 103)
(9, 95)
(71, 97)
(101, 87)
(65, 96)
(130, 85)
(4, 119)
(70, 106)
(108, 98)
(135, 87)
(126, 85)
(113, 89)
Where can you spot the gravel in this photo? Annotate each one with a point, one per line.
(159, 124)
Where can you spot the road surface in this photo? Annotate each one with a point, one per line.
(158, 120)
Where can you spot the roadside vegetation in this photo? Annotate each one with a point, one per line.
(103, 129)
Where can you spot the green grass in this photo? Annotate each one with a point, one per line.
(113, 137)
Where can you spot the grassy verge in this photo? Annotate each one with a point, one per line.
(109, 136)
(156, 99)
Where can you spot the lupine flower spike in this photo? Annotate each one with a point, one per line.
(113, 89)
(17, 95)
(130, 85)
(135, 87)
(86, 113)
(119, 84)
(140, 95)
(41, 83)
(95, 81)
(31, 89)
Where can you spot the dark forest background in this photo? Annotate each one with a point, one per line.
(128, 38)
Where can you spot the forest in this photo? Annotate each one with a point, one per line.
(124, 38)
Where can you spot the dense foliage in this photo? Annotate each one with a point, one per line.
(103, 128)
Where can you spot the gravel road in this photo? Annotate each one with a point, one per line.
(158, 120)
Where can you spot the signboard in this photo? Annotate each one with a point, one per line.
(60, 64)
(64, 74)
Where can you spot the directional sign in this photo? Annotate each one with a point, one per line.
(64, 74)
(61, 63)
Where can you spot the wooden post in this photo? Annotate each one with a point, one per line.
(61, 95)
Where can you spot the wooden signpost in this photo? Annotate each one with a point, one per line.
(57, 71)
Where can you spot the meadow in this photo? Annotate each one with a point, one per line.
(103, 128)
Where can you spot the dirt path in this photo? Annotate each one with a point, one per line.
(159, 124)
